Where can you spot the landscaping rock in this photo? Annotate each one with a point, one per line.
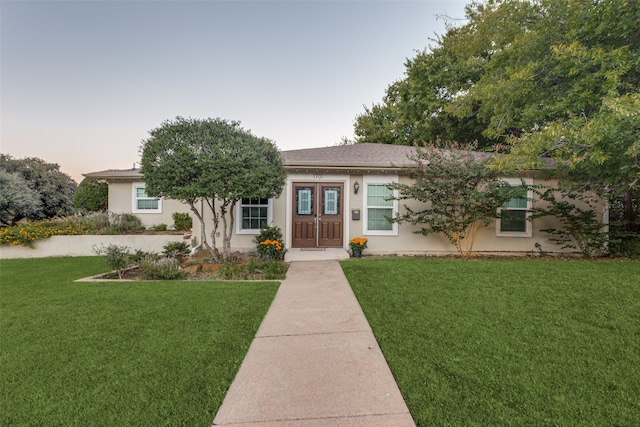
(212, 267)
(192, 268)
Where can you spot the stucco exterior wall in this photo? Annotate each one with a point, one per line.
(83, 245)
(403, 242)
(121, 200)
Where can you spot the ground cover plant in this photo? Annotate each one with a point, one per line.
(507, 342)
(126, 353)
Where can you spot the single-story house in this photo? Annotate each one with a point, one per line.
(332, 195)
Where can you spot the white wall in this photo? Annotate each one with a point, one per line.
(83, 245)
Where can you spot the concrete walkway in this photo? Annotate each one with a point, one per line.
(314, 361)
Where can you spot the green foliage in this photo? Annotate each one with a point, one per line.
(458, 191)
(91, 195)
(94, 223)
(270, 242)
(177, 250)
(212, 160)
(124, 223)
(118, 257)
(547, 81)
(155, 268)
(17, 199)
(182, 221)
(54, 188)
(582, 228)
(119, 354)
(268, 232)
(254, 268)
(26, 234)
(507, 342)
(159, 227)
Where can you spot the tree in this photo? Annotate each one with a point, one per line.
(213, 161)
(91, 195)
(459, 192)
(54, 188)
(537, 80)
(17, 199)
(581, 228)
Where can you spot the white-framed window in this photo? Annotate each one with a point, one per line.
(142, 203)
(252, 214)
(514, 214)
(379, 205)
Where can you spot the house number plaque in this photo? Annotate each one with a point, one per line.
(318, 176)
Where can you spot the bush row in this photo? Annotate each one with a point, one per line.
(99, 223)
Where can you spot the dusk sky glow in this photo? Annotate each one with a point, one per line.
(83, 82)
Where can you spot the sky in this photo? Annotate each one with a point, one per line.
(83, 82)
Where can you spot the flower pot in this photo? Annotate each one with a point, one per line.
(357, 254)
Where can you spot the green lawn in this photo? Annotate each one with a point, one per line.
(116, 354)
(508, 342)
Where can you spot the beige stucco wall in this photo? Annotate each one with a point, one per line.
(121, 201)
(405, 242)
(487, 240)
(84, 245)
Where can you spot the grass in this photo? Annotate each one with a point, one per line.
(508, 342)
(144, 354)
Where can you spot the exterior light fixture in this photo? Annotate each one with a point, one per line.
(356, 187)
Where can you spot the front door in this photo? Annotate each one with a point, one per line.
(317, 215)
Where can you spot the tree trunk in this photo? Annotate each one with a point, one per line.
(216, 222)
(203, 233)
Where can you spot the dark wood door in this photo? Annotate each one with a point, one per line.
(317, 215)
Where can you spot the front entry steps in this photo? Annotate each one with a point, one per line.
(317, 254)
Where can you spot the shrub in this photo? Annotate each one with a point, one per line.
(94, 223)
(91, 195)
(124, 223)
(269, 242)
(26, 234)
(159, 227)
(153, 268)
(118, 257)
(177, 250)
(270, 248)
(268, 233)
(582, 229)
(182, 221)
(274, 270)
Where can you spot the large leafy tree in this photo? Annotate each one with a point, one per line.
(17, 199)
(91, 195)
(54, 188)
(213, 162)
(459, 194)
(535, 79)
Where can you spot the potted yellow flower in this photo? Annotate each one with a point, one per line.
(357, 245)
(270, 249)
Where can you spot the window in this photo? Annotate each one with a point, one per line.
(253, 214)
(331, 201)
(304, 201)
(379, 206)
(514, 214)
(142, 203)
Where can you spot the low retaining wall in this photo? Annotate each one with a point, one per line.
(83, 245)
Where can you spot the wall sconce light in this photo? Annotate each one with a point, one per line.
(356, 187)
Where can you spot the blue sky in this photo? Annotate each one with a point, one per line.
(83, 82)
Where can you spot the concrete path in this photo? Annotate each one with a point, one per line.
(314, 361)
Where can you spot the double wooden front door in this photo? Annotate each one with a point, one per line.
(317, 215)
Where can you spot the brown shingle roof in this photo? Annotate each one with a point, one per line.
(125, 174)
(351, 156)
